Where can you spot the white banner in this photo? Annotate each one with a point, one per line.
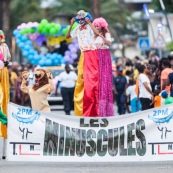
(38, 136)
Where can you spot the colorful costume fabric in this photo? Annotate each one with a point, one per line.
(86, 91)
(3, 118)
(4, 80)
(105, 97)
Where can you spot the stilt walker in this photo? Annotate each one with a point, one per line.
(4, 80)
(86, 91)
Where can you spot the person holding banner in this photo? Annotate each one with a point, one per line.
(103, 42)
(39, 91)
(86, 90)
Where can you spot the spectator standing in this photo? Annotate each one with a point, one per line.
(164, 75)
(120, 85)
(67, 80)
(145, 91)
(134, 101)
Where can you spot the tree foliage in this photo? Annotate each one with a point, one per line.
(167, 3)
(25, 11)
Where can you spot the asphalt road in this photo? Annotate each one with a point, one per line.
(53, 167)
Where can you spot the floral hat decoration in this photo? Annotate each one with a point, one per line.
(82, 15)
(2, 36)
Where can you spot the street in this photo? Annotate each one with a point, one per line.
(42, 167)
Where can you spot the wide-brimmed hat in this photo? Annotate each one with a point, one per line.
(82, 15)
(2, 35)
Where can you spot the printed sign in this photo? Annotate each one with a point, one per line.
(40, 136)
(144, 43)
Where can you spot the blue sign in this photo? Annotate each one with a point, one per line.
(144, 43)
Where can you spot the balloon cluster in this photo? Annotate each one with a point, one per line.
(33, 55)
(70, 54)
(27, 34)
(48, 28)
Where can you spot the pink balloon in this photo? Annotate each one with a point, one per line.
(1, 64)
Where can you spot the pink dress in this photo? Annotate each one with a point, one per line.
(105, 97)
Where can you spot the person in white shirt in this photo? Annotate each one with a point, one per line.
(145, 92)
(67, 80)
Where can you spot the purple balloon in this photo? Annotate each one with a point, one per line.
(67, 52)
(73, 56)
(73, 50)
(40, 39)
(70, 46)
(66, 58)
(76, 45)
(74, 41)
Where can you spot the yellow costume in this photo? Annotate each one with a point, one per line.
(38, 92)
(79, 89)
(4, 78)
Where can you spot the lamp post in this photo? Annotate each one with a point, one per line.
(166, 17)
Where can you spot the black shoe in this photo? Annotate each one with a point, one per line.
(67, 113)
(3, 157)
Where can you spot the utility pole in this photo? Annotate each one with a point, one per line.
(166, 17)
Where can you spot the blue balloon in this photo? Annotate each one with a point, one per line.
(41, 62)
(56, 62)
(24, 38)
(21, 45)
(15, 32)
(48, 62)
(30, 57)
(31, 51)
(18, 41)
(27, 47)
(25, 53)
(48, 55)
(29, 42)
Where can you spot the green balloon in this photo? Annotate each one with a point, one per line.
(74, 25)
(168, 100)
(39, 28)
(57, 27)
(33, 30)
(44, 21)
(22, 31)
(52, 31)
(64, 31)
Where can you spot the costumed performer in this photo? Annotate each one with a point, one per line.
(4, 78)
(103, 42)
(86, 90)
(3, 118)
(39, 91)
